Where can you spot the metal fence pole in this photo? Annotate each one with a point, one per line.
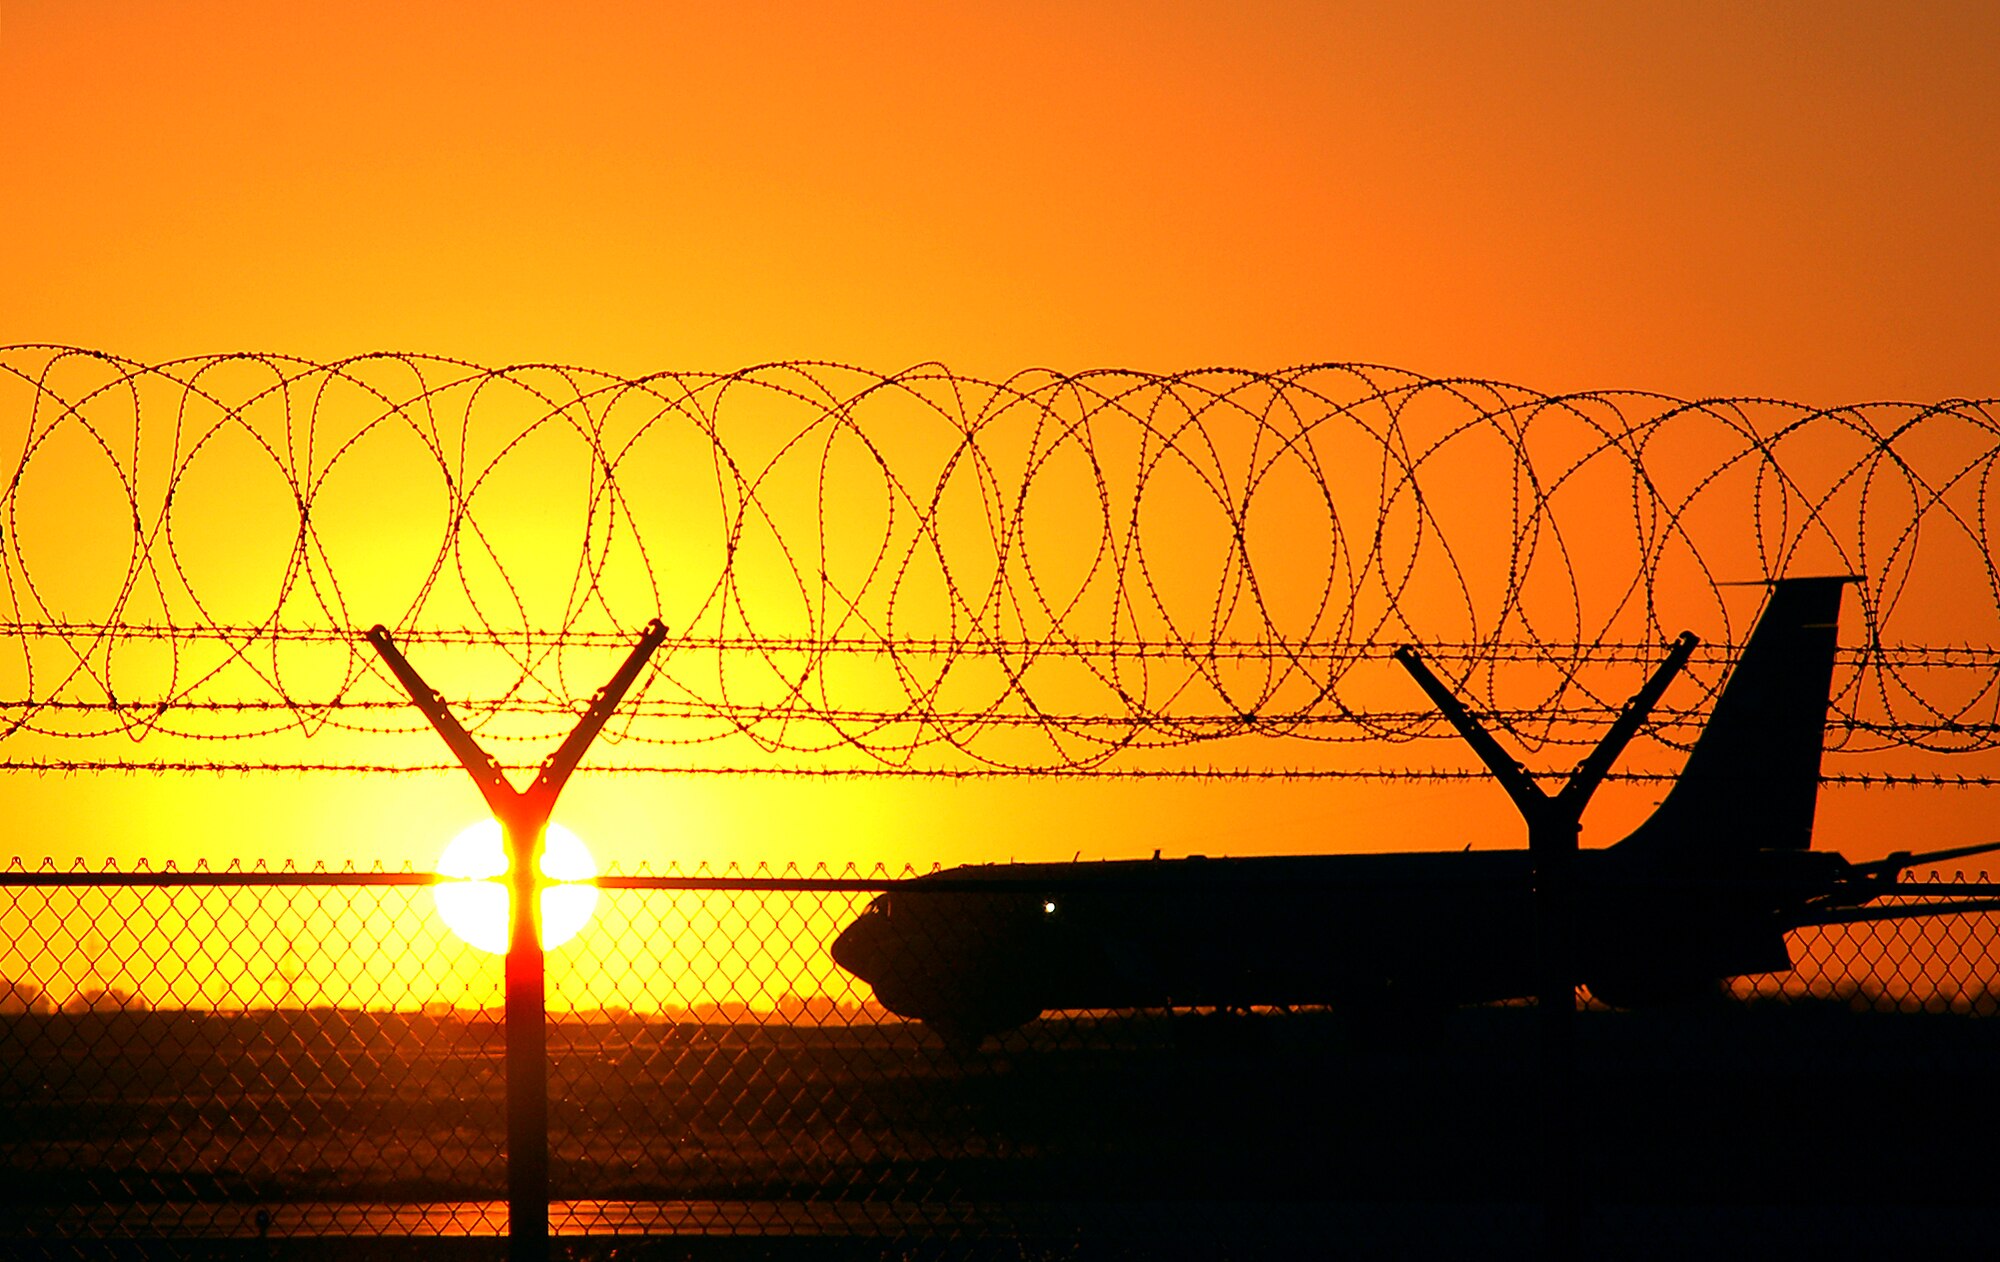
(1552, 843)
(527, 1052)
(524, 818)
(1554, 823)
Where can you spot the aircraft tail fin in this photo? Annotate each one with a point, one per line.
(1752, 779)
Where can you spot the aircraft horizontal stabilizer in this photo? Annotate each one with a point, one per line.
(1904, 859)
(1864, 883)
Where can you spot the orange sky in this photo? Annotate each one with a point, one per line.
(1787, 199)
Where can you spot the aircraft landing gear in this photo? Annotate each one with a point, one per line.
(959, 1038)
(964, 1030)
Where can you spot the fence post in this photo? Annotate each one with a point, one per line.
(1554, 823)
(523, 816)
(1552, 846)
(527, 1050)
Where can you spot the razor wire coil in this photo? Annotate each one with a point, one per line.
(927, 572)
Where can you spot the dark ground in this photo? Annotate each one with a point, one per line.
(1752, 1130)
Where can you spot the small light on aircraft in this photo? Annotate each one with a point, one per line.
(1049, 906)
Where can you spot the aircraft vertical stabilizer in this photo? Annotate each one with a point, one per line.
(1753, 777)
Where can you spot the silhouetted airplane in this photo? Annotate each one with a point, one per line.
(1704, 889)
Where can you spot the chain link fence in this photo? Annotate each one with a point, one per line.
(297, 1055)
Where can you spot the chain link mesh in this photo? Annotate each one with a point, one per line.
(324, 1058)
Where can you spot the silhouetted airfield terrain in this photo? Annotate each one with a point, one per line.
(1225, 1129)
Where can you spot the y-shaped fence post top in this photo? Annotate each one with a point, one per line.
(523, 815)
(529, 808)
(1552, 819)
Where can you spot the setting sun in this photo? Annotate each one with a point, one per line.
(476, 905)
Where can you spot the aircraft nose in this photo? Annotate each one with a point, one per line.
(858, 948)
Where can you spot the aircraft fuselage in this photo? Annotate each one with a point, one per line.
(978, 949)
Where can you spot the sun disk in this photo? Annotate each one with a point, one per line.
(477, 904)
